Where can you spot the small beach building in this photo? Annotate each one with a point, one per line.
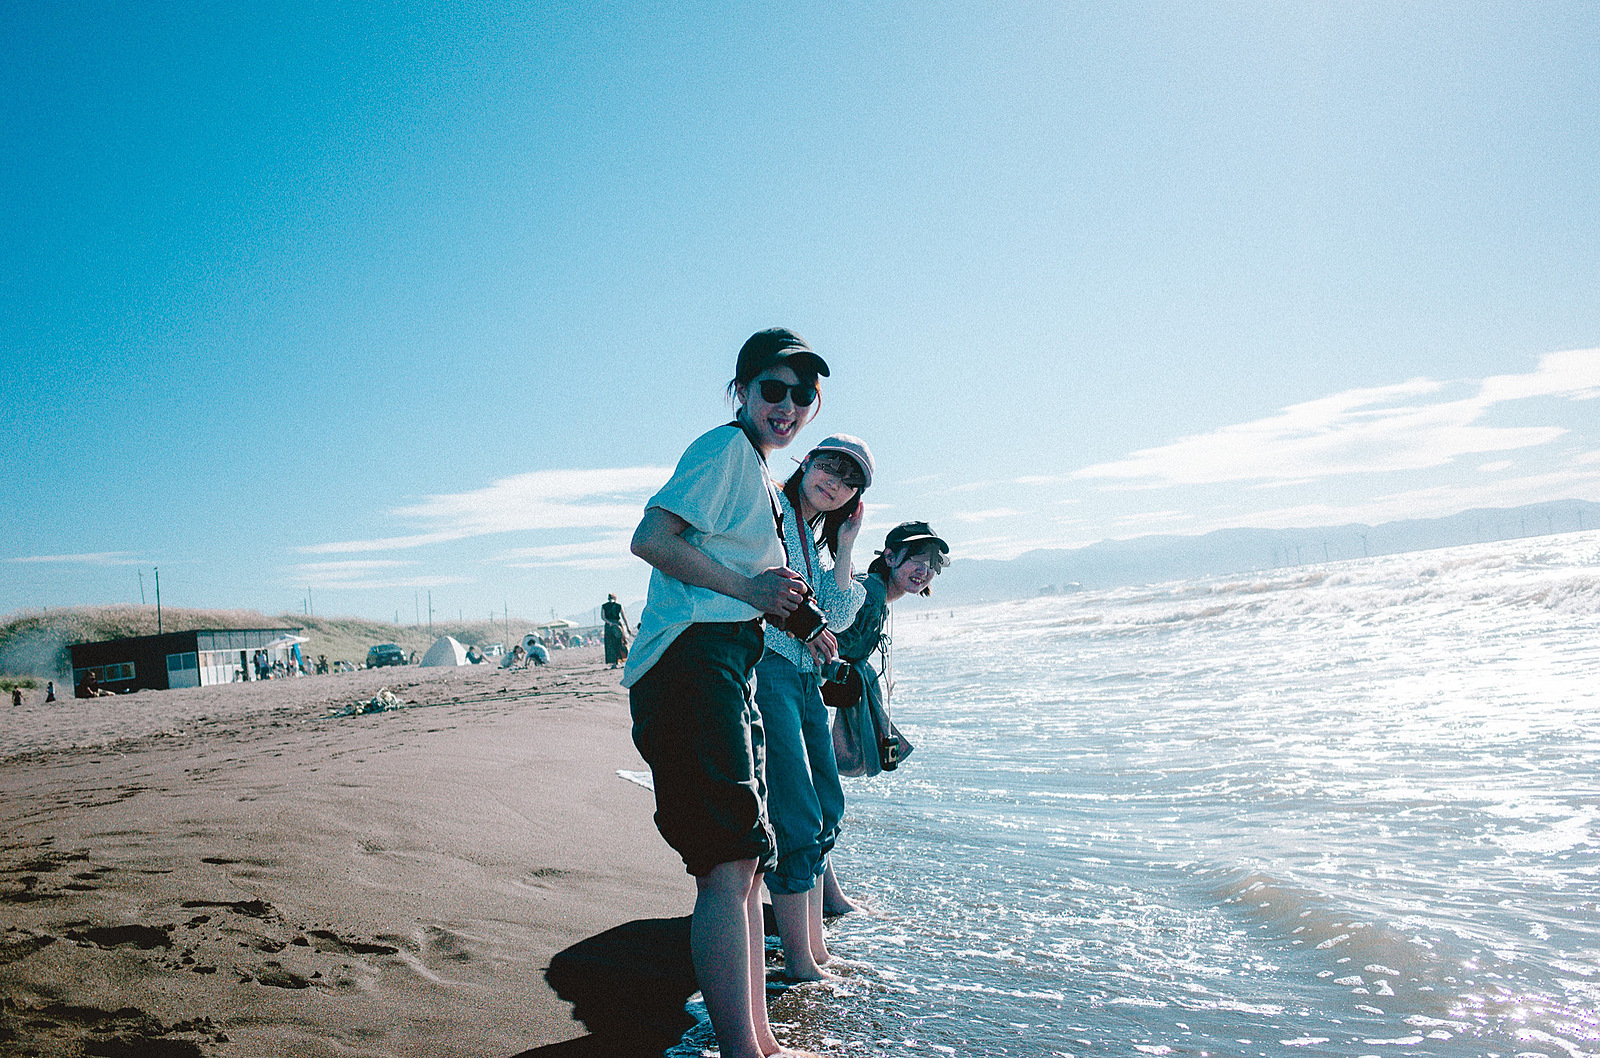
(196, 658)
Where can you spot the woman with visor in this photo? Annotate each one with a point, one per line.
(718, 567)
(821, 508)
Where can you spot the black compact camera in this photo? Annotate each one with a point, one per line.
(806, 622)
(889, 752)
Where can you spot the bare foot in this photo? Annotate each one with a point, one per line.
(804, 975)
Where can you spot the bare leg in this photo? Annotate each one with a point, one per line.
(757, 930)
(720, 943)
(834, 902)
(819, 944)
(793, 912)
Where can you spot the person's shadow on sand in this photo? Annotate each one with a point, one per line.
(628, 986)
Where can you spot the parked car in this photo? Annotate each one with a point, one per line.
(385, 654)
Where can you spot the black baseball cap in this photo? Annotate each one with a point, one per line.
(912, 533)
(774, 346)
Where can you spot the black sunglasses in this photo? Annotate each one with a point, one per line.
(842, 467)
(772, 391)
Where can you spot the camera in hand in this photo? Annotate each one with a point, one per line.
(835, 671)
(806, 622)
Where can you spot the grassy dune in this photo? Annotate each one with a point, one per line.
(34, 642)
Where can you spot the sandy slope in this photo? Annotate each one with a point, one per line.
(278, 883)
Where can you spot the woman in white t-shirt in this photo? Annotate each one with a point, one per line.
(711, 536)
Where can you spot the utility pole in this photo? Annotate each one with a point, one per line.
(1363, 545)
(158, 600)
(430, 611)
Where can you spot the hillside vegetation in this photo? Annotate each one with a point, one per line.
(34, 643)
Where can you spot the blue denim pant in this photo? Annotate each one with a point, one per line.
(805, 800)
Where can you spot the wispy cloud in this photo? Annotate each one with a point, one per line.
(1385, 428)
(1433, 501)
(610, 498)
(1002, 547)
(366, 573)
(985, 516)
(608, 552)
(97, 558)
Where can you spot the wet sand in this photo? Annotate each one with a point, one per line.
(278, 882)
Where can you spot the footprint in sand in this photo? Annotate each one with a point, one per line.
(16, 944)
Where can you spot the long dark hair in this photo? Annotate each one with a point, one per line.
(830, 521)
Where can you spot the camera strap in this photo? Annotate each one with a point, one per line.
(766, 479)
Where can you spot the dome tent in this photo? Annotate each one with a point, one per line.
(447, 651)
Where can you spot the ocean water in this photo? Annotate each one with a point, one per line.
(1348, 809)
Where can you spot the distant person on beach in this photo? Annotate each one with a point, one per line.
(90, 687)
(710, 535)
(49, 691)
(912, 555)
(820, 506)
(16, 696)
(617, 631)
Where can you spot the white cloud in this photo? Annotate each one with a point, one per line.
(359, 574)
(1435, 501)
(985, 516)
(1574, 374)
(608, 552)
(1497, 466)
(1152, 519)
(1385, 428)
(611, 498)
(1001, 547)
(97, 558)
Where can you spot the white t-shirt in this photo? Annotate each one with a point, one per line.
(720, 487)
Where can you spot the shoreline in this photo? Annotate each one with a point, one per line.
(289, 882)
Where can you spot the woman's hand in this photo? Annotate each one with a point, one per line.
(824, 648)
(850, 528)
(775, 591)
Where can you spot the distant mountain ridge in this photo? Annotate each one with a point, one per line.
(1153, 559)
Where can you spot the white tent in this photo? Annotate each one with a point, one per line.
(446, 652)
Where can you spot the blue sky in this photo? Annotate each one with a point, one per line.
(372, 300)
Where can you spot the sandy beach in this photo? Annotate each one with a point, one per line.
(269, 880)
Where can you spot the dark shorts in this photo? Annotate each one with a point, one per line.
(696, 724)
